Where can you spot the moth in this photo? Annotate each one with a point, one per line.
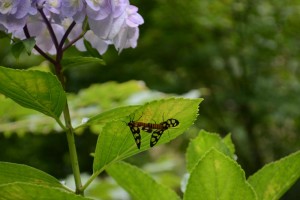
(156, 129)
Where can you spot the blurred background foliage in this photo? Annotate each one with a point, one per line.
(241, 56)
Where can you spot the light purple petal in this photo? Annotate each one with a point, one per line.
(119, 7)
(105, 9)
(73, 8)
(96, 42)
(134, 20)
(53, 6)
(23, 9)
(80, 45)
(101, 28)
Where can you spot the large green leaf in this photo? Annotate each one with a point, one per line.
(116, 142)
(139, 184)
(216, 176)
(11, 172)
(26, 191)
(37, 90)
(274, 179)
(110, 115)
(202, 144)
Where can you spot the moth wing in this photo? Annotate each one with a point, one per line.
(156, 136)
(136, 135)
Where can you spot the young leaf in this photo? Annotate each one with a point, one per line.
(139, 184)
(37, 90)
(11, 172)
(116, 141)
(81, 61)
(21, 191)
(202, 144)
(216, 176)
(274, 179)
(29, 44)
(17, 48)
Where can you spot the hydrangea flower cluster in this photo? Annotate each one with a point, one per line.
(49, 21)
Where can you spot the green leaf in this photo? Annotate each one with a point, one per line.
(202, 144)
(228, 142)
(11, 172)
(110, 115)
(3, 35)
(81, 61)
(37, 90)
(29, 44)
(139, 184)
(22, 191)
(17, 48)
(116, 142)
(216, 176)
(274, 179)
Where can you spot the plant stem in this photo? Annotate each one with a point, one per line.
(64, 38)
(70, 132)
(58, 71)
(90, 180)
(50, 29)
(72, 150)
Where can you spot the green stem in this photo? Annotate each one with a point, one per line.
(90, 180)
(70, 134)
(68, 125)
(72, 150)
(61, 124)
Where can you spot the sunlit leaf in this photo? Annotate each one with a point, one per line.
(139, 184)
(22, 191)
(216, 176)
(201, 145)
(37, 90)
(11, 172)
(116, 142)
(228, 141)
(274, 179)
(110, 115)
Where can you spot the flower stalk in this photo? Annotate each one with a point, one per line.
(66, 112)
